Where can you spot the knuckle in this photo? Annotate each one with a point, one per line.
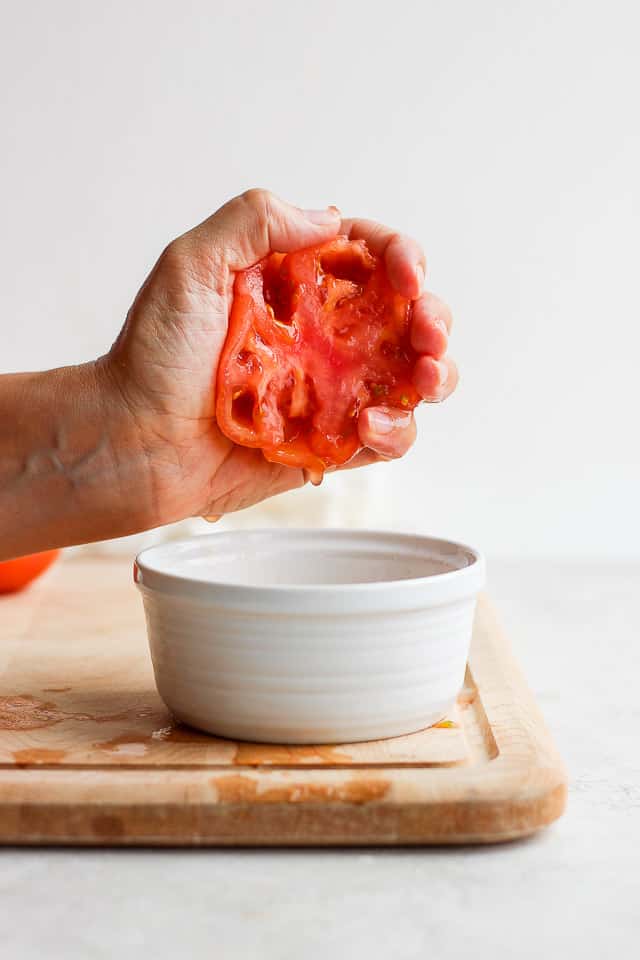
(182, 275)
(440, 308)
(258, 199)
(190, 259)
(395, 240)
(175, 253)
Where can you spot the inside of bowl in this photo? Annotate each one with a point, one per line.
(307, 558)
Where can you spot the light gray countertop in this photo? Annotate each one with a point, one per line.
(573, 890)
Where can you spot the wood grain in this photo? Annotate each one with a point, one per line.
(89, 754)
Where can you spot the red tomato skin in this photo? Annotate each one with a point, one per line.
(314, 337)
(16, 574)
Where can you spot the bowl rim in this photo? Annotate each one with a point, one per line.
(465, 580)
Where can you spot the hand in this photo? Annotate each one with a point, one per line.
(165, 360)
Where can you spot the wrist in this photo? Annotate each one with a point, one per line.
(73, 468)
(128, 450)
(177, 453)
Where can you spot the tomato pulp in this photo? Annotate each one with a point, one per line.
(16, 574)
(314, 338)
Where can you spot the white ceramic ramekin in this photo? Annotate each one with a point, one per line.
(309, 636)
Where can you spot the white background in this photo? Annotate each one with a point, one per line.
(505, 136)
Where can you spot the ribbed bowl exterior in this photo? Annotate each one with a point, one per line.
(314, 678)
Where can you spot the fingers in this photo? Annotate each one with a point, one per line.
(406, 266)
(252, 225)
(430, 326)
(435, 379)
(362, 459)
(387, 432)
(435, 376)
(257, 222)
(404, 258)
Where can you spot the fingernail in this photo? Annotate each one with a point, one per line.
(380, 422)
(439, 323)
(322, 217)
(420, 276)
(443, 372)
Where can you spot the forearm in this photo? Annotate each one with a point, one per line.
(72, 469)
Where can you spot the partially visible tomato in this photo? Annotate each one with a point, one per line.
(16, 574)
(314, 337)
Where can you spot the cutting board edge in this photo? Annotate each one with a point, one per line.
(521, 789)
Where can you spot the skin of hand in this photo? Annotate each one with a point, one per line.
(129, 441)
(164, 362)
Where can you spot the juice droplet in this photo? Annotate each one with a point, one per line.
(213, 518)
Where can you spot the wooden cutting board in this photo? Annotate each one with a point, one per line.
(90, 755)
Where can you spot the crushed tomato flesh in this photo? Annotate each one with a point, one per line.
(314, 338)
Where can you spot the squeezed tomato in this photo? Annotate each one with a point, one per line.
(314, 338)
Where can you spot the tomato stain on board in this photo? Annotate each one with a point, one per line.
(37, 755)
(140, 742)
(445, 725)
(240, 789)
(26, 712)
(269, 754)
(125, 744)
(176, 732)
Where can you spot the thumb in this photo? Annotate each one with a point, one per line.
(257, 222)
(388, 432)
